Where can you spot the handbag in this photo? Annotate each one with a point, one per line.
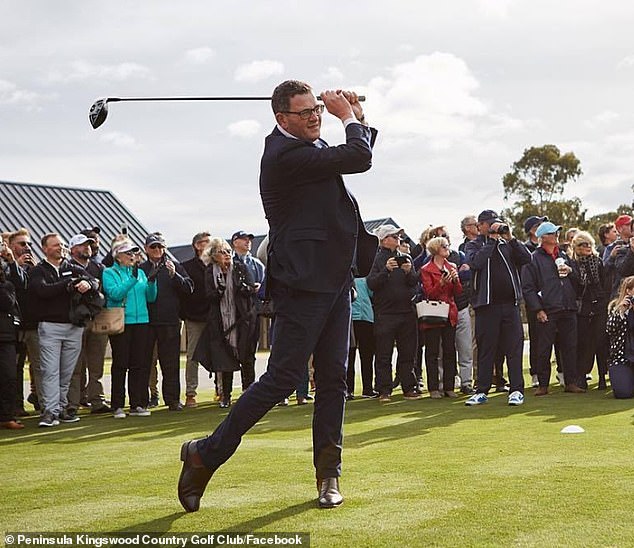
(432, 312)
(110, 321)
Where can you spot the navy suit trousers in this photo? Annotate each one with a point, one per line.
(306, 323)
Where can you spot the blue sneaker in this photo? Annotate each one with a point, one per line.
(516, 398)
(477, 399)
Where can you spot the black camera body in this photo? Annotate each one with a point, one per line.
(401, 260)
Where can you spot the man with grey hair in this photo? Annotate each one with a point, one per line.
(469, 227)
(194, 311)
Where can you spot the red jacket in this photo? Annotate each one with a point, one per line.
(430, 276)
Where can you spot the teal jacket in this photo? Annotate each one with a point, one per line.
(123, 289)
(362, 306)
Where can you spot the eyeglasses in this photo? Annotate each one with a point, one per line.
(307, 112)
(130, 253)
(224, 251)
(395, 236)
(583, 244)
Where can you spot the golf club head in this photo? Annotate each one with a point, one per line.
(98, 113)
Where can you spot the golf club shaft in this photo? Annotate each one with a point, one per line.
(116, 99)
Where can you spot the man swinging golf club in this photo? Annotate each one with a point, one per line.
(316, 238)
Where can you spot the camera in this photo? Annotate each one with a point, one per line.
(502, 230)
(401, 260)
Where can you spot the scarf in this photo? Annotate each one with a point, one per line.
(228, 308)
(589, 270)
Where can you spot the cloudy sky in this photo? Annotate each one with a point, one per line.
(457, 90)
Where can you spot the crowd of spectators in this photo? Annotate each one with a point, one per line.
(575, 296)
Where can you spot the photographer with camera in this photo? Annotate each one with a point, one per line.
(620, 329)
(20, 261)
(495, 258)
(225, 343)
(53, 282)
(85, 385)
(393, 281)
(551, 288)
(173, 283)
(9, 322)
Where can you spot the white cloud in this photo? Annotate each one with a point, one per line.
(603, 118)
(498, 9)
(119, 139)
(626, 62)
(82, 70)
(244, 128)
(10, 94)
(332, 74)
(433, 96)
(258, 70)
(199, 56)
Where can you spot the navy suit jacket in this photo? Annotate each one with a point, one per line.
(316, 235)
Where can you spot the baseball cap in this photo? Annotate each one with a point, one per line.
(79, 239)
(387, 230)
(622, 220)
(488, 216)
(155, 238)
(532, 221)
(124, 247)
(241, 234)
(547, 228)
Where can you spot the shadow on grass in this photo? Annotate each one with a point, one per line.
(164, 524)
(415, 418)
(158, 525)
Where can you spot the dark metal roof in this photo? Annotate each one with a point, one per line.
(43, 208)
(186, 252)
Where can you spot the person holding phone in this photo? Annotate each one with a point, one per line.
(441, 283)
(393, 281)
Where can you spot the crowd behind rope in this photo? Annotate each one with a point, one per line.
(576, 296)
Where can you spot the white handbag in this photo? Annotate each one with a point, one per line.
(432, 311)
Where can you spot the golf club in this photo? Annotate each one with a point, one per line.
(99, 109)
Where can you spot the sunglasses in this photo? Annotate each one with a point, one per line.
(23, 244)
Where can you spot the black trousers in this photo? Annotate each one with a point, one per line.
(499, 326)
(305, 323)
(562, 328)
(364, 335)
(168, 344)
(433, 339)
(8, 381)
(592, 343)
(402, 329)
(531, 316)
(130, 356)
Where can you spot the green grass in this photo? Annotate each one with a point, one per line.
(416, 473)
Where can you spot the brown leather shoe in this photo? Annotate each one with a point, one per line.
(190, 401)
(194, 477)
(541, 391)
(329, 495)
(451, 394)
(412, 395)
(574, 389)
(12, 425)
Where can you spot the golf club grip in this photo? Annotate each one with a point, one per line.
(116, 99)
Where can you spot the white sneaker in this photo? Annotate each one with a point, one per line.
(119, 413)
(516, 398)
(140, 412)
(560, 379)
(534, 381)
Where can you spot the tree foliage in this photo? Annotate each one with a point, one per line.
(538, 180)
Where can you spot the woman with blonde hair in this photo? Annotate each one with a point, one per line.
(441, 283)
(225, 342)
(592, 308)
(620, 329)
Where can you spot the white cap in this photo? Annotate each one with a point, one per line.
(79, 239)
